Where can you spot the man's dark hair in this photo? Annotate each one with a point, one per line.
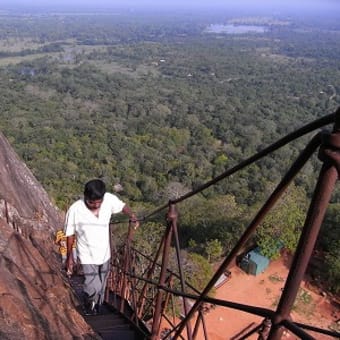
(94, 189)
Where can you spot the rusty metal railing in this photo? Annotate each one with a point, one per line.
(151, 292)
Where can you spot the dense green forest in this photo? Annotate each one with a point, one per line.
(158, 104)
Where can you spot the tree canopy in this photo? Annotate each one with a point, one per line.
(156, 105)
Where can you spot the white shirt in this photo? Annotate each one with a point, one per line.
(92, 232)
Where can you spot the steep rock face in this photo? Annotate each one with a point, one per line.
(36, 301)
(22, 198)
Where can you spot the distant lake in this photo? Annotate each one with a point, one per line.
(236, 29)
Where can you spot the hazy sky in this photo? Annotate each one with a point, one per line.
(298, 4)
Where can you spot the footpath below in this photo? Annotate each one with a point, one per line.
(264, 290)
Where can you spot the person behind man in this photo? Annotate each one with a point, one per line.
(61, 240)
(88, 220)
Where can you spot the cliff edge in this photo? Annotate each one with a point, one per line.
(36, 301)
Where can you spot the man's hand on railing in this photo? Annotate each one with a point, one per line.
(134, 221)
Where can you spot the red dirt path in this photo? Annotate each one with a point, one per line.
(264, 290)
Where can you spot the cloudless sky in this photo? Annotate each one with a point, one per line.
(320, 8)
(298, 4)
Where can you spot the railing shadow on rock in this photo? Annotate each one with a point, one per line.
(162, 301)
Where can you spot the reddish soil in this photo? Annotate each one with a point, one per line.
(264, 290)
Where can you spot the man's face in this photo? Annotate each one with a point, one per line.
(94, 204)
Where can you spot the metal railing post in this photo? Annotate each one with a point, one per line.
(295, 168)
(126, 266)
(330, 155)
(180, 269)
(162, 279)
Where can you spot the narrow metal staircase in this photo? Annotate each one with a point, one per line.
(146, 296)
(112, 325)
(109, 324)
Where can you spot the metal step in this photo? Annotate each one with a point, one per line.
(109, 324)
(118, 335)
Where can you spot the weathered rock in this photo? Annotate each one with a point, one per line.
(20, 189)
(36, 301)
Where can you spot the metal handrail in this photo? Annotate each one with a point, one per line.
(274, 321)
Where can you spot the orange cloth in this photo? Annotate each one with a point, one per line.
(61, 239)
